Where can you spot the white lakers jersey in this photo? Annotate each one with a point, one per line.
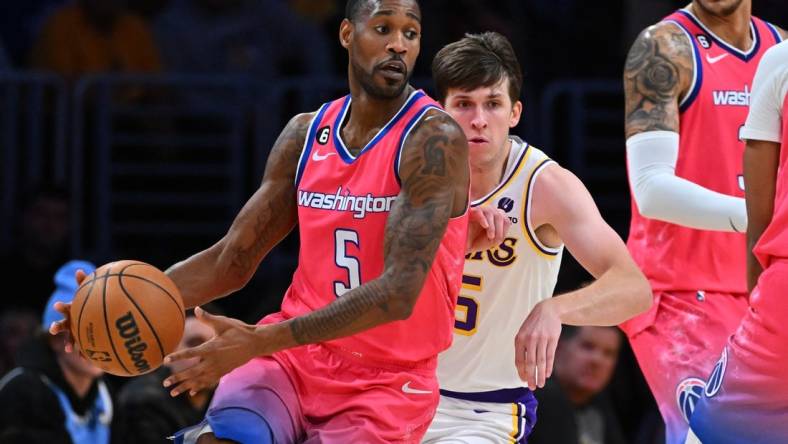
(500, 286)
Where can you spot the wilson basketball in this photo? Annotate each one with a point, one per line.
(126, 317)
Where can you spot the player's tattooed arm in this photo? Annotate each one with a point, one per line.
(435, 178)
(264, 220)
(658, 72)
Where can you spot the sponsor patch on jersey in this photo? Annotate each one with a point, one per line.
(715, 380)
(688, 393)
(506, 204)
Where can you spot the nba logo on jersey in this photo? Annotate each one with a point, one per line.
(715, 380)
(688, 393)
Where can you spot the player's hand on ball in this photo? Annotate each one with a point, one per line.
(535, 344)
(234, 343)
(487, 228)
(64, 325)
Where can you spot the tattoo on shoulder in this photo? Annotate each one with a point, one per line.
(658, 68)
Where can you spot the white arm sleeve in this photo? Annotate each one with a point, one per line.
(660, 194)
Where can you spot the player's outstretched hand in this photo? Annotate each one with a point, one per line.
(535, 344)
(64, 325)
(233, 344)
(487, 228)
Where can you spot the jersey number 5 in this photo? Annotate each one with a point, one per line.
(468, 307)
(350, 263)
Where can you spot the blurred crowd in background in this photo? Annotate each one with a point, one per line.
(199, 56)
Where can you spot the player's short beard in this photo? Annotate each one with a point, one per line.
(720, 13)
(368, 84)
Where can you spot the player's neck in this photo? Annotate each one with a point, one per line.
(734, 28)
(369, 114)
(485, 177)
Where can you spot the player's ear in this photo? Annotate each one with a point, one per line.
(517, 112)
(345, 33)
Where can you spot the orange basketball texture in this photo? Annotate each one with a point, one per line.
(126, 317)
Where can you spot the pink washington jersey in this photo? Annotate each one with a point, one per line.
(773, 243)
(746, 398)
(343, 205)
(677, 258)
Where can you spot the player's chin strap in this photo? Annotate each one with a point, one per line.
(660, 194)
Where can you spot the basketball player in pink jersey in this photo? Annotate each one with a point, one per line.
(378, 184)
(746, 396)
(687, 84)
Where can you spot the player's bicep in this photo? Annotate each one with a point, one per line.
(434, 166)
(658, 70)
(568, 206)
(271, 212)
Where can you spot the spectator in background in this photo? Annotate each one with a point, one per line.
(41, 246)
(147, 413)
(95, 36)
(263, 38)
(16, 328)
(572, 407)
(55, 397)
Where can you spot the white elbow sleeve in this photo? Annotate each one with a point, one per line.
(660, 194)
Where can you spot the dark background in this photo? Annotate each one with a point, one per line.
(150, 151)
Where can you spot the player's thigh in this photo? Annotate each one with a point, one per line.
(252, 403)
(677, 352)
(459, 421)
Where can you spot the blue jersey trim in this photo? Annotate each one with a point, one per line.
(698, 74)
(310, 140)
(340, 145)
(746, 56)
(777, 37)
(404, 136)
(503, 396)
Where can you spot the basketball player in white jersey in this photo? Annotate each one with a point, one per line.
(508, 323)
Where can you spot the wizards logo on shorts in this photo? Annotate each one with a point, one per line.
(715, 380)
(688, 393)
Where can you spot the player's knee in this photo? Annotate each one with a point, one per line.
(209, 438)
(238, 425)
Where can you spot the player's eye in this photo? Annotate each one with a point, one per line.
(493, 105)
(381, 29)
(410, 35)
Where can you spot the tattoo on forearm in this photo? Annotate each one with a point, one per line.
(414, 230)
(656, 65)
(321, 325)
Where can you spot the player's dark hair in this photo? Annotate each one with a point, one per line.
(353, 8)
(570, 331)
(478, 60)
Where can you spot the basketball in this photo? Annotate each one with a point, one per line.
(126, 317)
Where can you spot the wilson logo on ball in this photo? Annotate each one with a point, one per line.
(128, 330)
